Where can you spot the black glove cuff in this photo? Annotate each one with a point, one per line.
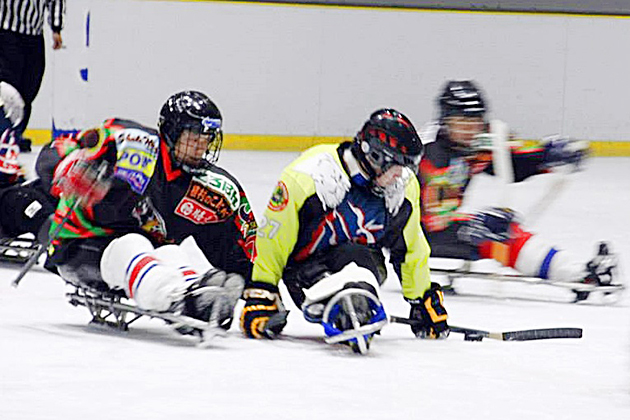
(272, 288)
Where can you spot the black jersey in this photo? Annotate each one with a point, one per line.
(445, 173)
(150, 195)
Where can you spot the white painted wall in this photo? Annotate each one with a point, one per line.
(320, 71)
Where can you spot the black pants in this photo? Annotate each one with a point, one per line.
(300, 276)
(78, 261)
(22, 64)
(446, 244)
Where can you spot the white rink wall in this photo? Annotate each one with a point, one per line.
(319, 71)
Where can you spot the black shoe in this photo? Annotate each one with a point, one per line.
(206, 292)
(600, 270)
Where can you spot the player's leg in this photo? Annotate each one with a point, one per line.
(447, 244)
(212, 288)
(532, 255)
(165, 279)
(340, 291)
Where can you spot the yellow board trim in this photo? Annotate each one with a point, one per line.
(286, 143)
(406, 8)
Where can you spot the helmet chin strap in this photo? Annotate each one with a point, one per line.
(357, 174)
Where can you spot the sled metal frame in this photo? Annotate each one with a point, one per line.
(25, 250)
(358, 331)
(581, 290)
(108, 308)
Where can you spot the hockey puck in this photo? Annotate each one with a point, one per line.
(473, 337)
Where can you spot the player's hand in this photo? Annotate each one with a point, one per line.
(559, 151)
(488, 225)
(262, 305)
(12, 102)
(430, 314)
(57, 41)
(9, 152)
(77, 176)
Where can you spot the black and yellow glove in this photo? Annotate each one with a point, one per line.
(263, 315)
(429, 314)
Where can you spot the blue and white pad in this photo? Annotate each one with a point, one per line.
(331, 297)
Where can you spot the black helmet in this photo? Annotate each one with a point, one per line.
(387, 138)
(461, 97)
(193, 111)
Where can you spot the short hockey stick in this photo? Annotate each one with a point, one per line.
(471, 334)
(44, 247)
(502, 160)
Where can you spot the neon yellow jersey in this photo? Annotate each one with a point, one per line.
(316, 206)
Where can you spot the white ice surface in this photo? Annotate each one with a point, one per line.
(54, 366)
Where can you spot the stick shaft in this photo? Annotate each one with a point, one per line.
(520, 335)
(35, 257)
(102, 170)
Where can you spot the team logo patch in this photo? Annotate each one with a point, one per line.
(137, 139)
(136, 161)
(202, 205)
(279, 198)
(136, 180)
(210, 123)
(195, 212)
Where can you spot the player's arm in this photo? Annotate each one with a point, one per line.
(54, 152)
(87, 173)
(278, 230)
(414, 267)
(553, 152)
(426, 298)
(277, 236)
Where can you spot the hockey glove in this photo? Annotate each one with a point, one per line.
(489, 225)
(430, 314)
(263, 315)
(559, 151)
(9, 152)
(78, 177)
(12, 102)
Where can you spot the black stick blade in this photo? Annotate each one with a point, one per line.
(542, 334)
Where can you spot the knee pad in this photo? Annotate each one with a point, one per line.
(329, 286)
(119, 254)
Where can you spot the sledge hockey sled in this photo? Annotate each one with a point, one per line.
(18, 250)
(609, 293)
(112, 309)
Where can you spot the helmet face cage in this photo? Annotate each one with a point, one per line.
(388, 139)
(186, 120)
(382, 157)
(462, 111)
(196, 147)
(462, 130)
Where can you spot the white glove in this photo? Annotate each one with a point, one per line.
(13, 103)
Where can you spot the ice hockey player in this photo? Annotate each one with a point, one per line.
(11, 107)
(11, 111)
(24, 205)
(457, 154)
(330, 214)
(158, 220)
